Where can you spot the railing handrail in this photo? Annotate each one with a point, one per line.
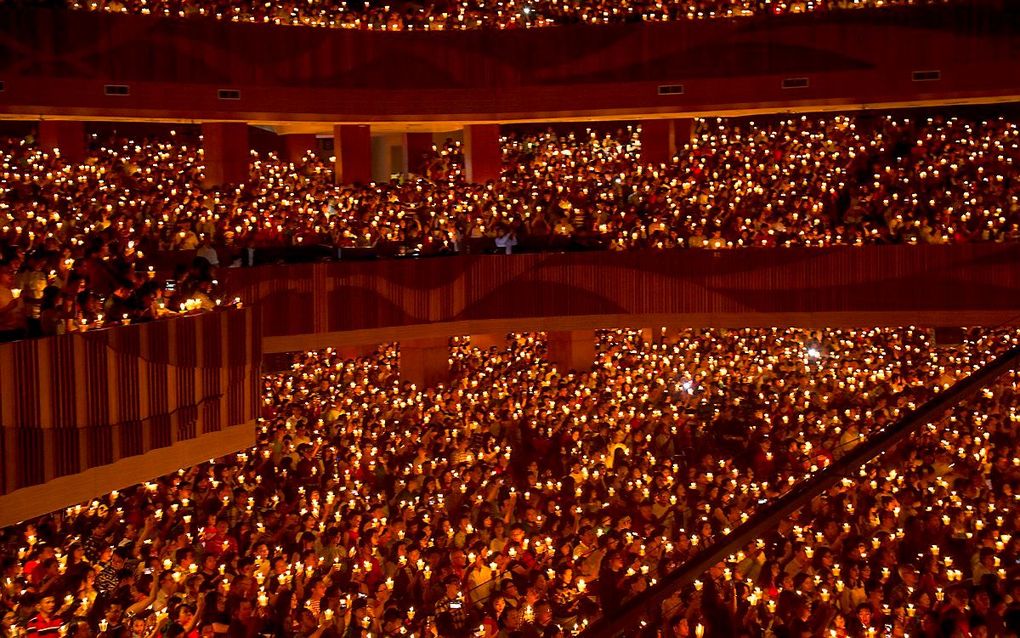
(770, 515)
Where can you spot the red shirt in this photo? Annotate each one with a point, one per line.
(42, 627)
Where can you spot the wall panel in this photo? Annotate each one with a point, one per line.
(85, 401)
(370, 295)
(56, 62)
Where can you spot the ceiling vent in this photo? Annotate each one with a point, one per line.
(671, 89)
(926, 76)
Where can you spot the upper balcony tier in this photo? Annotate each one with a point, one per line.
(58, 63)
(440, 15)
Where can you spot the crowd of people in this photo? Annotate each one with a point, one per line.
(519, 499)
(378, 15)
(53, 291)
(803, 181)
(79, 239)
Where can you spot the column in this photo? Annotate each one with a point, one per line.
(297, 145)
(656, 142)
(226, 152)
(417, 150)
(66, 135)
(662, 139)
(387, 156)
(683, 132)
(425, 362)
(487, 341)
(571, 349)
(356, 351)
(482, 155)
(352, 144)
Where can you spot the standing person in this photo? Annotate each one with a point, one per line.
(12, 316)
(451, 615)
(44, 624)
(188, 620)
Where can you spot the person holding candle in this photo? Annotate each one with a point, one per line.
(188, 617)
(279, 521)
(12, 318)
(44, 624)
(110, 577)
(112, 624)
(590, 185)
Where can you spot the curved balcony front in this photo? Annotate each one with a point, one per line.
(56, 63)
(310, 306)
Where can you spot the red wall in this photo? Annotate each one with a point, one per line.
(71, 403)
(81, 401)
(743, 284)
(57, 62)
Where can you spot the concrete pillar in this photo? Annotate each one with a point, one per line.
(352, 144)
(226, 152)
(417, 149)
(683, 132)
(425, 362)
(487, 341)
(656, 142)
(68, 136)
(571, 349)
(297, 145)
(387, 156)
(354, 352)
(662, 139)
(482, 155)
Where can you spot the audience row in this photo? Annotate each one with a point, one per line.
(475, 14)
(80, 239)
(519, 499)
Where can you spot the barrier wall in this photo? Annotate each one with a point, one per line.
(110, 408)
(81, 415)
(696, 287)
(57, 62)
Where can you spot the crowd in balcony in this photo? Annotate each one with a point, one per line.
(921, 542)
(386, 15)
(520, 499)
(79, 238)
